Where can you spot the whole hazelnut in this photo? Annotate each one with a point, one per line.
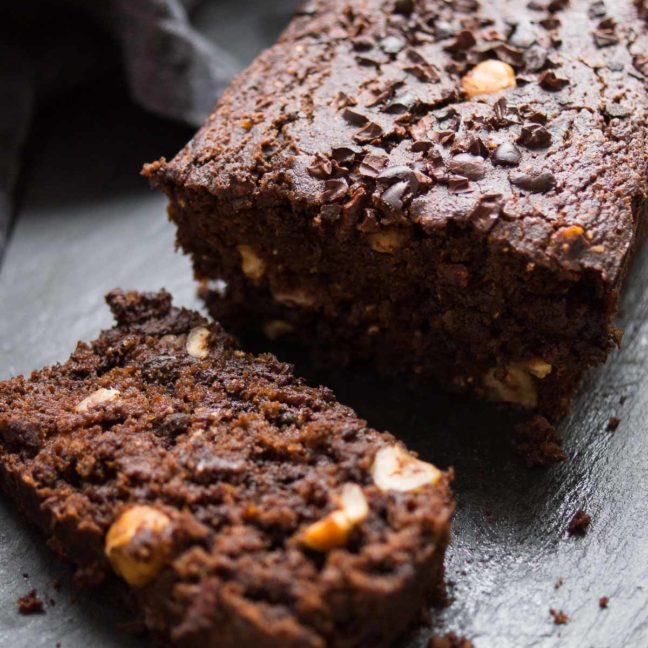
(488, 77)
(137, 544)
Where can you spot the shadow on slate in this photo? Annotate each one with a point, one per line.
(89, 223)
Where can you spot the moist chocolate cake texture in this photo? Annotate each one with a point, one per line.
(237, 505)
(450, 188)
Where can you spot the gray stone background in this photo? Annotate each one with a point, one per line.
(86, 222)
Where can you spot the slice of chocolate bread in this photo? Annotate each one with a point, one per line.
(238, 505)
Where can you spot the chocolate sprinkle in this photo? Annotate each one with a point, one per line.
(534, 136)
(507, 154)
(534, 182)
(468, 166)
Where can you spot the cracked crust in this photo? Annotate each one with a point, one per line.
(223, 460)
(355, 124)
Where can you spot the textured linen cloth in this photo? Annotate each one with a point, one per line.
(49, 46)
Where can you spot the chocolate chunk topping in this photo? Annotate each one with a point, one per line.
(372, 165)
(468, 166)
(392, 198)
(335, 189)
(321, 168)
(369, 132)
(392, 44)
(507, 154)
(549, 80)
(534, 182)
(535, 136)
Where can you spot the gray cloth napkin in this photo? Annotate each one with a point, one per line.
(47, 46)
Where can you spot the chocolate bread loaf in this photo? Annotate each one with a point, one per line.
(454, 189)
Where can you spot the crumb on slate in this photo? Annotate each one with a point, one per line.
(559, 583)
(538, 443)
(613, 423)
(603, 602)
(30, 603)
(579, 524)
(559, 617)
(449, 640)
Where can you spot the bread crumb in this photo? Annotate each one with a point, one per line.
(579, 524)
(559, 617)
(613, 423)
(30, 603)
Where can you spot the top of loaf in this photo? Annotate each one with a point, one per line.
(370, 114)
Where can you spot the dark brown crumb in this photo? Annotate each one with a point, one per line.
(559, 617)
(30, 603)
(538, 443)
(559, 583)
(57, 584)
(579, 524)
(613, 423)
(603, 602)
(449, 640)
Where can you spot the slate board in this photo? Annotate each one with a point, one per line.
(88, 223)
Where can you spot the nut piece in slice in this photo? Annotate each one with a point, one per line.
(137, 544)
(197, 342)
(388, 241)
(517, 385)
(488, 77)
(97, 397)
(252, 264)
(333, 530)
(396, 469)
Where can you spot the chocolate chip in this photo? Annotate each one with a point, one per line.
(405, 174)
(321, 168)
(369, 132)
(507, 154)
(372, 165)
(402, 103)
(640, 61)
(511, 55)
(354, 117)
(549, 80)
(604, 38)
(468, 166)
(534, 136)
(476, 146)
(442, 29)
(444, 136)
(335, 189)
(345, 154)
(458, 184)
(597, 10)
(392, 44)
(392, 198)
(486, 212)
(462, 41)
(534, 182)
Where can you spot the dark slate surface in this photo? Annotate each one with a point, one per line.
(88, 223)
